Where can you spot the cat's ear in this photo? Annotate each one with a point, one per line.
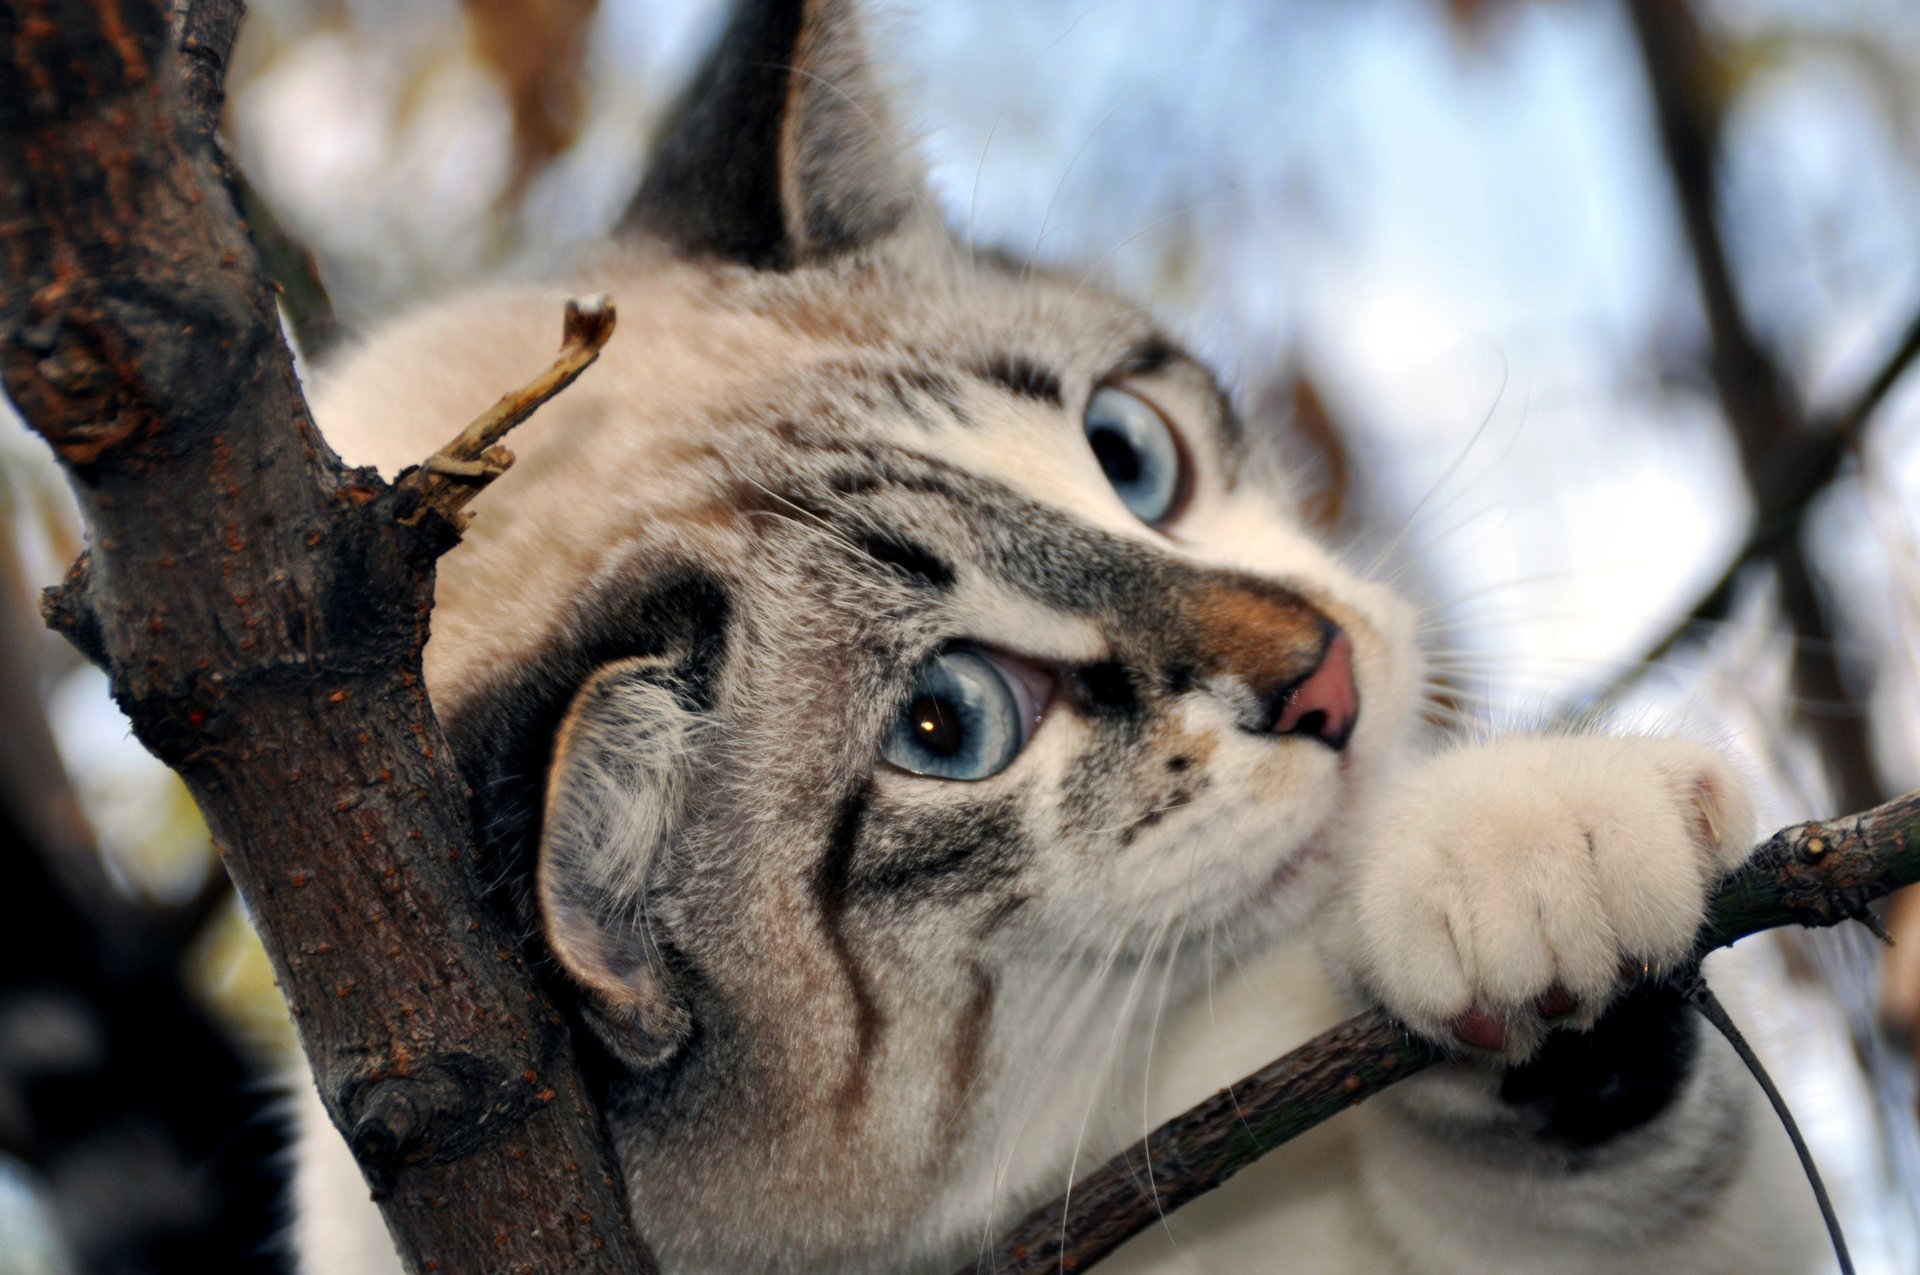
(617, 793)
(783, 152)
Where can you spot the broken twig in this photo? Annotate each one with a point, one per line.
(457, 472)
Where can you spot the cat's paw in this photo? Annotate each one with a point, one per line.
(1519, 886)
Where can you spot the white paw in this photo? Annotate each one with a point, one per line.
(1518, 885)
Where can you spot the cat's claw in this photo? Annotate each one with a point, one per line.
(1520, 886)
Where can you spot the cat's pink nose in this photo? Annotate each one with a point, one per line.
(1325, 704)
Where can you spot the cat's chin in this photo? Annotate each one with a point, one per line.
(1288, 895)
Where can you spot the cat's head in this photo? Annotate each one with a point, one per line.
(883, 639)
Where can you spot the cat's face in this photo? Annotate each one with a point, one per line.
(945, 639)
(961, 660)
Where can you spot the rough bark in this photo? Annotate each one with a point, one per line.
(261, 608)
(1811, 874)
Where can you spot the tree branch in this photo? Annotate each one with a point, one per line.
(1811, 874)
(1850, 420)
(1782, 515)
(1788, 459)
(261, 609)
(208, 29)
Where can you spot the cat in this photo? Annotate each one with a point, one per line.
(897, 675)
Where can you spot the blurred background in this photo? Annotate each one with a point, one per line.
(1598, 307)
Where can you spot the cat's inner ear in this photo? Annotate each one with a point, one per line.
(616, 801)
(783, 152)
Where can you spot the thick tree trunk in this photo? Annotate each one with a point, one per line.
(261, 609)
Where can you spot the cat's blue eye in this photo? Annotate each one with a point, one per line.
(967, 717)
(1137, 452)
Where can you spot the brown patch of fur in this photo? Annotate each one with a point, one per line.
(1266, 640)
(1186, 752)
(828, 324)
(970, 1040)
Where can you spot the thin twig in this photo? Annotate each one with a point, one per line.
(1710, 1008)
(457, 472)
(1851, 420)
(1811, 874)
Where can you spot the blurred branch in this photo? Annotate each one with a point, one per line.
(1812, 874)
(1788, 459)
(158, 1160)
(1683, 75)
(260, 609)
(304, 298)
(535, 48)
(1848, 423)
(1783, 515)
(33, 783)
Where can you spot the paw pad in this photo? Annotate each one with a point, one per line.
(1480, 1029)
(1556, 1003)
(1706, 812)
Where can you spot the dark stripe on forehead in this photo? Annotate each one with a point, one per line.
(905, 381)
(914, 561)
(1041, 550)
(922, 394)
(1021, 376)
(831, 896)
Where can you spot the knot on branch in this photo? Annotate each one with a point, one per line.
(68, 610)
(1816, 874)
(61, 371)
(443, 1110)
